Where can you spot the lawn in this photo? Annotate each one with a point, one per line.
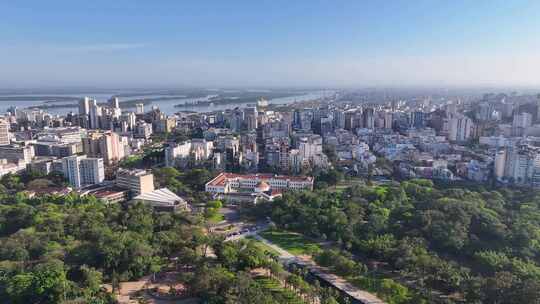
(263, 246)
(216, 218)
(343, 185)
(292, 242)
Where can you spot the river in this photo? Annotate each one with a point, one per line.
(167, 106)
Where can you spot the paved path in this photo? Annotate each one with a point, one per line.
(286, 258)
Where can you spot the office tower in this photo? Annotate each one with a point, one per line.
(4, 133)
(83, 171)
(137, 181)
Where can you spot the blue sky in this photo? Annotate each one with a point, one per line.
(269, 43)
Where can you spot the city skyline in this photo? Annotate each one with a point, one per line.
(397, 44)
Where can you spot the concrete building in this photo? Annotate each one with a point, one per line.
(460, 129)
(13, 153)
(83, 171)
(177, 153)
(137, 181)
(107, 145)
(94, 115)
(142, 130)
(231, 182)
(520, 123)
(139, 108)
(163, 200)
(368, 121)
(4, 133)
(500, 163)
(521, 163)
(250, 118)
(84, 106)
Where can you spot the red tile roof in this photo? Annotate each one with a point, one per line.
(223, 177)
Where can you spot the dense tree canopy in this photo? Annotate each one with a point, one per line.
(60, 248)
(454, 240)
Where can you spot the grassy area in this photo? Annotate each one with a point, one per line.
(280, 294)
(263, 246)
(342, 185)
(292, 242)
(216, 218)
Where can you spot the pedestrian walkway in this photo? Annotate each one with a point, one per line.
(356, 294)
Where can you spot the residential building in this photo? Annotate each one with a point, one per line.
(83, 171)
(4, 133)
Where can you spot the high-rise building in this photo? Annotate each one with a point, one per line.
(460, 128)
(165, 125)
(107, 145)
(4, 133)
(137, 181)
(388, 120)
(418, 119)
(83, 171)
(339, 119)
(368, 121)
(500, 161)
(520, 123)
(84, 106)
(250, 116)
(114, 103)
(94, 115)
(521, 163)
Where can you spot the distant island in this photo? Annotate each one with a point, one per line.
(238, 98)
(45, 99)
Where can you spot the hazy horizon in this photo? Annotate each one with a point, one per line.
(270, 44)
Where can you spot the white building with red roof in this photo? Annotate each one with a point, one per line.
(249, 187)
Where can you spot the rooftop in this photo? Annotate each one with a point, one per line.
(222, 177)
(161, 196)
